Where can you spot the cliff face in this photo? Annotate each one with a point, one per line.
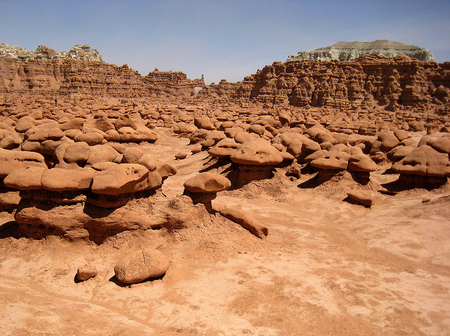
(346, 51)
(74, 76)
(367, 82)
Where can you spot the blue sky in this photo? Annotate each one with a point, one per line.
(220, 39)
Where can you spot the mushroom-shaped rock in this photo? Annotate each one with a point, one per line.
(224, 148)
(120, 179)
(207, 183)
(388, 140)
(257, 152)
(141, 265)
(361, 163)
(332, 160)
(28, 178)
(424, 161)
(203, 187)
(13, 160)
(60, 179)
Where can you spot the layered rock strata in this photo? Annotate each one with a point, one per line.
(346, 51)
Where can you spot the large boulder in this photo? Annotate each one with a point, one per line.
(207, 182)
(332, 160)
(224, 148)
(102, 153)
(361, 163)
(121, 179)
(424, 161)
(257, 152)
(60, 179)
(28, 178)
(141, 265)
(13, 160)
(203, 188)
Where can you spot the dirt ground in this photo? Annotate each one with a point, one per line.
(327, 267)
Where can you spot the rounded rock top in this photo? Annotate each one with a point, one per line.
(207, 183)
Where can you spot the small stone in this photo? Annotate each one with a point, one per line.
(180, 155)
(86, 272)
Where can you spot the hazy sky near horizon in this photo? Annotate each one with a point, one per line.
(220, 39)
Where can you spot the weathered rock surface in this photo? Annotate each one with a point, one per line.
(350, 50)
(207, 182)
(244, 219)
(141, 265)
(83, 52)
(13, 160)
(120, 179)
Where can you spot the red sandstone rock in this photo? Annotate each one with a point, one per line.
(207, 183)
(141, 265)
(120, 179)
(257, 152)
(60, 179)
(424, 161)
(13, 160)
(224, 148)
(28, 178)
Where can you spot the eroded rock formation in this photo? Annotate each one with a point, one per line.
(346, 51)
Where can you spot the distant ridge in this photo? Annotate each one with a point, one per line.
(44, 53)
(347, 51)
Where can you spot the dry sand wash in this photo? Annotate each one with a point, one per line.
(328, 267)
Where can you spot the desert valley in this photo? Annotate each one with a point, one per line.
(310, 198)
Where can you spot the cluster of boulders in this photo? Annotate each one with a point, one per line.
(257, 147)
(44, 134)
(81, 202)
(73, 173)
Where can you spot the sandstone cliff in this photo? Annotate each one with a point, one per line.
(367, 82)
(75, 76)
(350, 50)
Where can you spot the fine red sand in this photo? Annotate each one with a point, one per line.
(327, 267)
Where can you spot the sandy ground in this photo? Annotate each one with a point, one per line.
(328, 267)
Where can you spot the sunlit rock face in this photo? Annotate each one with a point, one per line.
(346, 51)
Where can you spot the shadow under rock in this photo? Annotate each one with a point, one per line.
(121, 284)
(352, 201)
(321, 177)
(407, 182)
(10, 230)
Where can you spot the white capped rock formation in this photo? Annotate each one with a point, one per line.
(347, 51)
(44, 53)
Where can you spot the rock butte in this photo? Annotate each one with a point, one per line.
(147, 170)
